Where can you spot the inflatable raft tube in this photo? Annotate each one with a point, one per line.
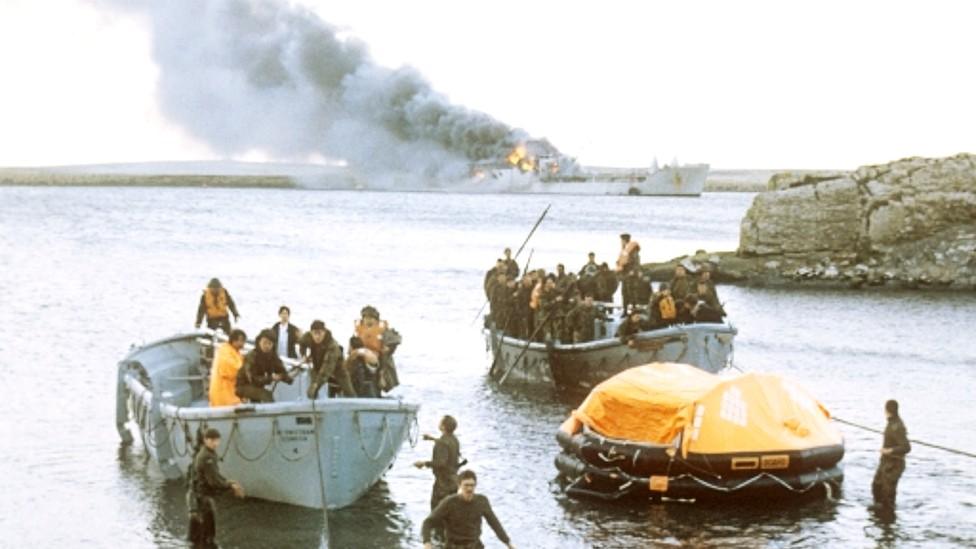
(614, 484)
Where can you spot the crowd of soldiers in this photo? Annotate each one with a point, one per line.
(543, 306)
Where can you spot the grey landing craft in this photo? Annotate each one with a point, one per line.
(324, 453)
(577, 368)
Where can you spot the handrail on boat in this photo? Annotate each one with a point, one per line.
(220, 336)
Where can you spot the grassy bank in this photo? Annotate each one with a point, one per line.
(10, 177)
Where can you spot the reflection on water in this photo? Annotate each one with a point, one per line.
(86, 272)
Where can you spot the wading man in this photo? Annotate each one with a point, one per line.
(461, 516)
(892, 464)
(206, 482)
(444, 462)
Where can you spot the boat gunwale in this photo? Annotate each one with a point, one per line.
(271, 409)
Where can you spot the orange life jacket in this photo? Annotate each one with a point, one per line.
(536, 297)
(216, 306)
(631, 248)
(372, 337)
(666, 306)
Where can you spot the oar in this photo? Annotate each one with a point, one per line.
(524, 349)
(524, 242)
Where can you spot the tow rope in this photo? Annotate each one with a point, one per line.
(912, 440)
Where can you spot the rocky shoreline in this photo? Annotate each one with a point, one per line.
(907, 224)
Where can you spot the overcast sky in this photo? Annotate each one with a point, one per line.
(735, 84)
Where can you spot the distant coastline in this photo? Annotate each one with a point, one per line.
(271, 176)
(18, 177)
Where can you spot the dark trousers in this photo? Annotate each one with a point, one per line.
(222, 322)
(885, 484)
(439, 492)
(203, 523)
(254, 393)
(365, 382)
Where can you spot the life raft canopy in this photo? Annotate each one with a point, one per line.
(752, 412)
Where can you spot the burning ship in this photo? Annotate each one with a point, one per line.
(536, 167)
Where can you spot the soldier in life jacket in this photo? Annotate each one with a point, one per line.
(377, 336)
(628, 269)
(664, 312)
(363, 366)
(214, 304)
(629, 258)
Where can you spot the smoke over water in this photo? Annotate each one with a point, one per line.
(248, 75)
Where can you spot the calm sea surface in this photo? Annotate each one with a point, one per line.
(85, 273)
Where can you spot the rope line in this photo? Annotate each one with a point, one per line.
(751, 480)
(316, 423)
(912, 440)
(362, 444)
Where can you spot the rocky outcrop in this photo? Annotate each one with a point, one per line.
(910, 223)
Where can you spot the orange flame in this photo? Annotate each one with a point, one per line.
(520, 158)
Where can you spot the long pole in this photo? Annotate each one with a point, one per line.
(524, 349)
(534, 227)
(522, 247)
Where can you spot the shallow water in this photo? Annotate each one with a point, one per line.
(87, 272)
